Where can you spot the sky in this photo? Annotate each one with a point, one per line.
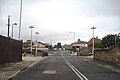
(55, 19)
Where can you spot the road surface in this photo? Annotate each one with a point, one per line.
(61, 65)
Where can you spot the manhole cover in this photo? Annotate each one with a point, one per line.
(49, 72)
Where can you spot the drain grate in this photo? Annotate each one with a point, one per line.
(49, 72)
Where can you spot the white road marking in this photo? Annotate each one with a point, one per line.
(49, 71)
(78, 73)
(75, 71)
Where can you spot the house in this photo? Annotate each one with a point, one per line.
(96, 40)
(80, 44)
(41, 46)
(76, 45)
(67, 46)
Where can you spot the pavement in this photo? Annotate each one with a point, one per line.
(7, 71)
(110, 66)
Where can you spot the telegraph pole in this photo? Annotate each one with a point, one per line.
(93, 39)
(36, 43)
(12, 28)
(20, 19)
(1, 17)
(8, 24)
(73, 35)
(31, 27)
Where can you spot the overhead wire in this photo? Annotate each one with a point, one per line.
(1, 26)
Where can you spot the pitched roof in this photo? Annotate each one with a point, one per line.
(80, 42)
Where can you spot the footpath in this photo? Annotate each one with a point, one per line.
(7, 71)
(111, 66)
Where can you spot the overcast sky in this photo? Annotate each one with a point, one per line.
(55, 19)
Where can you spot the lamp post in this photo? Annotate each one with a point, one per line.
(93, 39)
(115, 38)
(36, 43)
(12, 28)
(119, 35)
(74, 41)
(20, 19)
(118, 39)
(8, 24)
(31, 27)
(73, 36)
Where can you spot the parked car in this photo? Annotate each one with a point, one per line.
(45, 52)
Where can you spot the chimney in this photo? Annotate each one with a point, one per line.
(78, 39)
(96, 37)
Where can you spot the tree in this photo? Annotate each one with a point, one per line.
(110, 40)
(59, 45)
(96, 45)
(26, 44)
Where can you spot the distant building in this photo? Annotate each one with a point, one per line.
(80, 44)
(42, 46)
(96, 40)
(29, 41)
(76, 45)
(67, 46)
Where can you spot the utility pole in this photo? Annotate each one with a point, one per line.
(73, 35)
(31, 27)
(93, 39)
(1, 17)
(119, 35)
(12, 28)
(51, 41)
(118, 38)
(115, 38)
(74, 39)
(20, 19)
(36, 43)
(8, 25)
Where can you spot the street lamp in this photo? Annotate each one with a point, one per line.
(73, 36)
(31, 27)
(115, 38)
(119, 35)
(36, 43)
(12, 28)
(119, 39)
(74, 40)
(93, 39)
(8, 24)
(20, 19)
(36, 35)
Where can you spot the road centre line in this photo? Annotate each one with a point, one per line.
(74, 71)
(77, 70)
(78, 73)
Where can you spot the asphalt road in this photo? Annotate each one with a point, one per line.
(62, 66)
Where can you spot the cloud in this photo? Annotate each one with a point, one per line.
(98, 8)
(54, 19)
